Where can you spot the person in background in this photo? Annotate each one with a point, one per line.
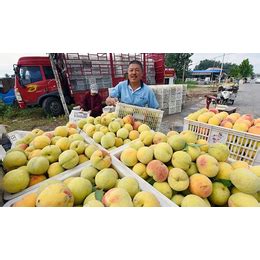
(133, 91)
(92, 101)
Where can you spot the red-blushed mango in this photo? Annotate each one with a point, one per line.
(200, 185)
(34, 179)
(207, 165)
(157, 170)
(159, 138)
(28, 200)
(129, 119)
(117, 197)
(136, 125)
(55, 195)
(254, 130)
(248, 117)
(226, 123)
(257, 121)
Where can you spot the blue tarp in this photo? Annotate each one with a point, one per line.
(8, 97)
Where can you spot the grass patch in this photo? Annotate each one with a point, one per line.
(27, 119)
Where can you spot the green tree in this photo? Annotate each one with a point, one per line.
(180, 62)
(234, 71)
(205, 64)
(246, 69)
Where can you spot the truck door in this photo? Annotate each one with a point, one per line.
(33, 83)
(50, 79)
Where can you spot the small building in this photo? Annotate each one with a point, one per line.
(169, 76)
(210, 74)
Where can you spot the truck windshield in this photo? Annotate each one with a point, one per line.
(29, 74)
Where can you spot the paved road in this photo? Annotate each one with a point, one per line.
(248, 99)
(247, 102)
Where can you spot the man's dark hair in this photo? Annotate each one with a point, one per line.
(136, 62)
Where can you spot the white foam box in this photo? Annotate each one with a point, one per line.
(76, 115)
(117, 165)
(16, 135)
(9, 196)
(2, 152)
(125, 169)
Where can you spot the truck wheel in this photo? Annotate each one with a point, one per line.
(52, 106)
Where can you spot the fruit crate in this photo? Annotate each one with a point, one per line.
(149, 116)
(243, 146)
(116, 155)
(117, 165)
(10, 196)
(76, 115)
(14, 136)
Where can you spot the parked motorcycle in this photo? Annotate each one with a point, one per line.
(227, 95)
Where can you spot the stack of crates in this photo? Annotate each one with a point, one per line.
(86, 69)
(170, 97)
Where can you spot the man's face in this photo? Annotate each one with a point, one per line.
(135, 73)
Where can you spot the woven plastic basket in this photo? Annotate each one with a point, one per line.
(149, 116)
(242, 146)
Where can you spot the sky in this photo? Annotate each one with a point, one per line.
(8, 59)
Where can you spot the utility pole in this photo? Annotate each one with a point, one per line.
(183, 73)
(220, 74)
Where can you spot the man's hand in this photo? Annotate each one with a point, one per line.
(111, 101)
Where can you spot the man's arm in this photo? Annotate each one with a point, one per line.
(114, 95)
(152, 101)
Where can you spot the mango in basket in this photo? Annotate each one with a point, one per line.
(28, 200)
(14, 159)
(16, 180)
(55, 195)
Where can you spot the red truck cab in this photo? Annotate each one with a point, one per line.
(35, 84)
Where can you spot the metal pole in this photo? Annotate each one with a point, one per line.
(220, 74)
(183, 73)
(63, 102)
